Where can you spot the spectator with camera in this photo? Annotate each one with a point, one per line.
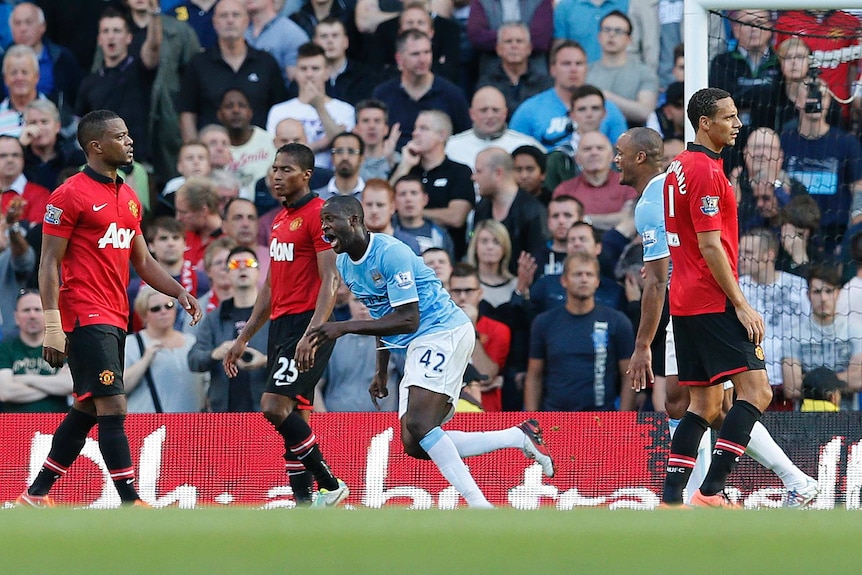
(217, 332)
(826, 159)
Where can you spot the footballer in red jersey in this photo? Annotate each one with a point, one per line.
(297, 297)
(717, 332)
(92, 230)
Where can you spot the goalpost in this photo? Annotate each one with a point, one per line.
(696, 36)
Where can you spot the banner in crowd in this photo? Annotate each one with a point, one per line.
(615, 460)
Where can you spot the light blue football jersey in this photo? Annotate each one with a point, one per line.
(649, 220)
(388, 275)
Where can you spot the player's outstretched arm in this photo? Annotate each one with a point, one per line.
(54, 343)
(403, 319)
(156, 276)
(652, 302)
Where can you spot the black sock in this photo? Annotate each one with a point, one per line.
(300, 441)
(69, 439)
(683, 453)
(732, 439)
(301, 480)
(114, 446)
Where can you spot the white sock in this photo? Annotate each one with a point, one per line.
(672, 424)
(763, 449)
(479, 442)
(444, 454)
(701, 465)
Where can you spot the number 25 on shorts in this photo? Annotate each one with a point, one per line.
(286, 373)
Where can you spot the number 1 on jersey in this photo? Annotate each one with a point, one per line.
(671, 208)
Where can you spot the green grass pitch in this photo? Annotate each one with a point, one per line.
(369, 541)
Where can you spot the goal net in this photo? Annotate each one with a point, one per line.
(794, 74)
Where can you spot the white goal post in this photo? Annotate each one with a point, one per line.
(696, 34)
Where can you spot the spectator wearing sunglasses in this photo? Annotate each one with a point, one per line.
(217, 333)
(157, 375)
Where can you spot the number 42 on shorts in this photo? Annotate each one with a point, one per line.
(433, 361)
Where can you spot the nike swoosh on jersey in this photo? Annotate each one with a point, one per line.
(276, 225)
(97, 208)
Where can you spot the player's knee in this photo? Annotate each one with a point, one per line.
(676, 404)
(675, 408)
(677, 398)
(711, 414)
(414, 450)
(110, 405)
(274, 412)
(417, 429)
(760, 398)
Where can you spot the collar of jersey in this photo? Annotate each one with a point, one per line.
(692, 147)
(371, 236)
(301, 201)
(101, 178)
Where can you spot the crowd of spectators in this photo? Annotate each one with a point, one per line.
(481, 133)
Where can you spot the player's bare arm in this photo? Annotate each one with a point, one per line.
(403, 319)
(378, 388)
(329, 280)
(156, 276)
(54, 344)
(259, 315)
(713, 253)
(652, 302)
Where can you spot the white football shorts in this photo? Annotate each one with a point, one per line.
(436, 362)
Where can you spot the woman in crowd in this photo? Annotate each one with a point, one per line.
(157, 375)
(490, 250)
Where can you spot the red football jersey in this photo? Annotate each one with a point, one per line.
(297, 238)
(698, 198)
(100, 220)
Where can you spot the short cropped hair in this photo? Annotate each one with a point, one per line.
(166, 223)
(372, 104)
(93, 125)
(704, 102)
(562, 46)
(581, 258)
(586, 90)
(464, 270)
(199, 193)
(299, 153)
(828, 274)
(309, 50)
(534, 153)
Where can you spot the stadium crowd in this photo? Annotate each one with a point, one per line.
(482, 134)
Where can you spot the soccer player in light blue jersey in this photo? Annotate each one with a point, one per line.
(410, 309)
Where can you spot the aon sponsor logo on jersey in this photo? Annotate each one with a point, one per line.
(280, 251)
(119, 238)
